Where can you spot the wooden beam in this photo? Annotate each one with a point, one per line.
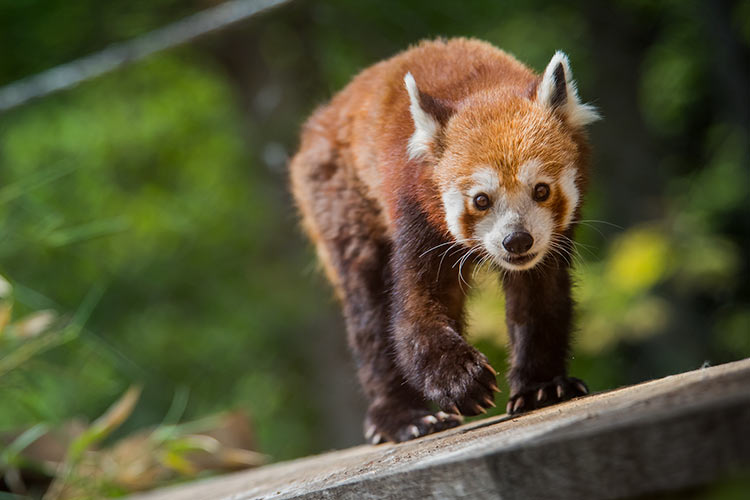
(662, 436)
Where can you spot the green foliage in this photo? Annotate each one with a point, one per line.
(115, 183)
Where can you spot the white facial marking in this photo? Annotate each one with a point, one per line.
(425, 126)
(578, 115)
(485, 180)
(530, 174)
(570, 190)
(453, 201)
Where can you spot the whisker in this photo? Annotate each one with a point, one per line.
(462, 257)
(478, 266)
(463, 240)
(601, 222)
(460, 268)
(444, 254)
(440, 265)
(566, 238)
(564, 252)
(590, 223)
(575, 249)
(595, 229)
(485, 258)
(576, 246)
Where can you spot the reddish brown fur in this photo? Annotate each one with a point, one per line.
(372, 212)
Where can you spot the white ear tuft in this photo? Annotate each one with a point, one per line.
(425, 125)
(557, 90)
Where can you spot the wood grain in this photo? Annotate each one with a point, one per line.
(662, 436)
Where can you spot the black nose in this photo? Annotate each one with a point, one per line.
(518, 242)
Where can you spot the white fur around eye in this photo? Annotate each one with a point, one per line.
(570, 190)
(484, 180)
(530, 174)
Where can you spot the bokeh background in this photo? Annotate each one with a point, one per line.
(148, 207)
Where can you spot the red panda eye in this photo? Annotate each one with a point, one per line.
(482, 201)
(541, 192)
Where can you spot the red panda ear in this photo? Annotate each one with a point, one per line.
(557, 91)
(429, 115)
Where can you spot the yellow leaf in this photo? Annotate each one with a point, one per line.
(638, 260)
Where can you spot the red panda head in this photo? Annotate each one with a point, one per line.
(507, 164)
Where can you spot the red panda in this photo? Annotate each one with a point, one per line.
(446, 156)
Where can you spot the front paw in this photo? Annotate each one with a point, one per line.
(397, 423)
(555, 391)
(461, 380)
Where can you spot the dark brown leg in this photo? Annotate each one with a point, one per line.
(356, 253)
(539, 315)
(428, 320)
